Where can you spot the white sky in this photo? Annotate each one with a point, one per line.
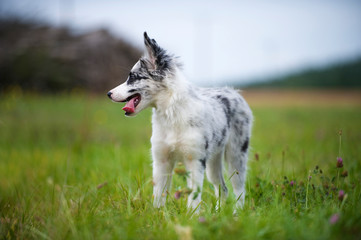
(220, 41)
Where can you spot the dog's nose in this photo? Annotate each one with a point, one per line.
(110, 95)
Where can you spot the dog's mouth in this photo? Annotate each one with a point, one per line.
(132, 103)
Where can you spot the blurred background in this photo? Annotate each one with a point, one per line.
(61, 45)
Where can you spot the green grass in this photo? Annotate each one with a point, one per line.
(72, 166)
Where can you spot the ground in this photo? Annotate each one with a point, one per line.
(72, 166)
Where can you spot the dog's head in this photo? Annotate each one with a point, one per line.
(146, 79)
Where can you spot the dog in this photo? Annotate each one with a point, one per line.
(197, 126)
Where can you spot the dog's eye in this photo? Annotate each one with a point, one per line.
(133, 77)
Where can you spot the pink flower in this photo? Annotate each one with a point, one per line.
(334, 218)
(177, 194)
(292, 183)
(339, 163)
(341, 195)
(201, 220)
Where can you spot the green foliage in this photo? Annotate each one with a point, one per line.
(342, 75)
(74, 167)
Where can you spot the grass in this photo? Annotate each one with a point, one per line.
(72, 166)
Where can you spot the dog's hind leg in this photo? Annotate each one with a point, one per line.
(214, 172)
(236, 156)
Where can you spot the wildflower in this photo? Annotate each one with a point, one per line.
(341, 195)
(339, 162)
(292, 183)
(334, 218)
(309, 177)
(344, 173)
(201, 220)
(177, 194)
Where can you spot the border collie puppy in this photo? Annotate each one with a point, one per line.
(197, 126)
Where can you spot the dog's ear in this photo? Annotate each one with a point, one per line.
(146, 64)
(152, 51)
(157, 58)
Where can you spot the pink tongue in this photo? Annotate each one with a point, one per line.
(129, 107)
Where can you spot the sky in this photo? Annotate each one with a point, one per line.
(220, 41)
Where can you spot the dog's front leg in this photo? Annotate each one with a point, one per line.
(195, 182)
(162, 175)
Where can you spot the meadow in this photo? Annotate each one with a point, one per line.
(73, 167)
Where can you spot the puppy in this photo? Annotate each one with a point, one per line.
(197, 126)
